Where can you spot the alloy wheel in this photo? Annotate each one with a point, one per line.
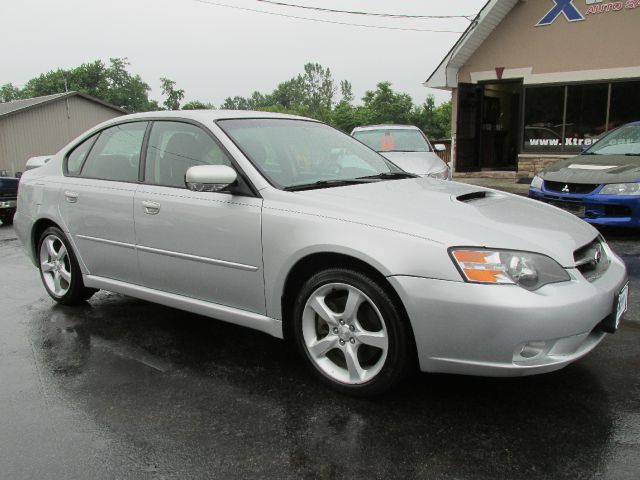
(55, 265)
(344, 333)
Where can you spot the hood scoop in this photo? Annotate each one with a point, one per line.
(472, 196)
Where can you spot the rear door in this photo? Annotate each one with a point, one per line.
(96, 204)
(203, 245)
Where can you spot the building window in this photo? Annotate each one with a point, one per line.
(625, 103)
(565, 118)
(543, 118)
(586, 116)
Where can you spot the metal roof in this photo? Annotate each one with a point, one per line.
(445, 76)
(10, 108)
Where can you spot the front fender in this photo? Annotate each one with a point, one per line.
(289, 236)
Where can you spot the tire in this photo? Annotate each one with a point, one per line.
(59, 269)
(6, 218)
(351, 333)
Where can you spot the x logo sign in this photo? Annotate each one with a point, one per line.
(565, 7)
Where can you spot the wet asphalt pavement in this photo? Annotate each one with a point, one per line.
(122, 388)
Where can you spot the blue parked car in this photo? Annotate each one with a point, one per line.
(601, 185)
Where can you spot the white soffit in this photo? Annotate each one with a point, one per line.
(445, 76)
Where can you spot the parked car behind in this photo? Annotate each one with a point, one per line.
(8, 198)
(406, 146)
(254, 219)
(601, 185)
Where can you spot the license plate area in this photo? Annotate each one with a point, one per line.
(620, 304)
(576, 208)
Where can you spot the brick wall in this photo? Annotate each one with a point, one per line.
(531, 164)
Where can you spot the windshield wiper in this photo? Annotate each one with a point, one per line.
(324, 184)
(389, 176)
(632, 154)
(589, 153)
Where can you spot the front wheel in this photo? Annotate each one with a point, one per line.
(351, 332)
(7, 217)
(59, 269)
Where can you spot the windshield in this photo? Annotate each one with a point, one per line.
(291, 153)
(622, 141)
(394, 140)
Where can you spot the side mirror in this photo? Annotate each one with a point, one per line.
(439, 147)
(210, 178)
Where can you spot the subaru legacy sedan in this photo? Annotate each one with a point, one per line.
(285, 225)
(601, 185)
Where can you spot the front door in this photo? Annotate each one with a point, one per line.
(499, 136)
(203, 245)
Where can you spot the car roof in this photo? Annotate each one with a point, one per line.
(208, 115)
(385, 127)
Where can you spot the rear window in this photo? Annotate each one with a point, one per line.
(116, 153)
(393, 140)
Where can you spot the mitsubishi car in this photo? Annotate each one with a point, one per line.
(601, 185)
(285, 225)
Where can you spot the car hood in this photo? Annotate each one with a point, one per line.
(594, 169)
(453, 214)
(420, 163)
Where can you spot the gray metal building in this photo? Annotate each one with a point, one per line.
(43, 125)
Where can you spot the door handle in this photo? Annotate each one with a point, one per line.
(151, 208)
(71, 197)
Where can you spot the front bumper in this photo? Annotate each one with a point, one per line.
(475, 329)
(603, 210)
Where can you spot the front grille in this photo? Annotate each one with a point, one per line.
(563, 187)
(592, 259)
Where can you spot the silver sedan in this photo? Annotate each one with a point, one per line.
(285, 225)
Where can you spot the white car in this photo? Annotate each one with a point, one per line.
(407, 147)
(288, 226)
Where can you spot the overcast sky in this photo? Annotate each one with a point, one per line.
(214, 52)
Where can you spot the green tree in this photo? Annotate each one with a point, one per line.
(290, 94)
(174, 95)
(112, 84)
(434, 120)
(346, 90)
(197, 105)
(319, 90)
(387, 106)
(9, 93)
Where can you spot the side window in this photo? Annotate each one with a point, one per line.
(77, 156)
(116, 153)
(174, 147)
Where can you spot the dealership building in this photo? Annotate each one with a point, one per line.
(534, 81)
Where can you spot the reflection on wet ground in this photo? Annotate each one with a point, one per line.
(121, 388)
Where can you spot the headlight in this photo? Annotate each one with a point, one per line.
(537, 182)
(440, 175)
(528, 270)
(621, 189)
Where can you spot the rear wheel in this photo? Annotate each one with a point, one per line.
(351, 332)
(59, 269)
